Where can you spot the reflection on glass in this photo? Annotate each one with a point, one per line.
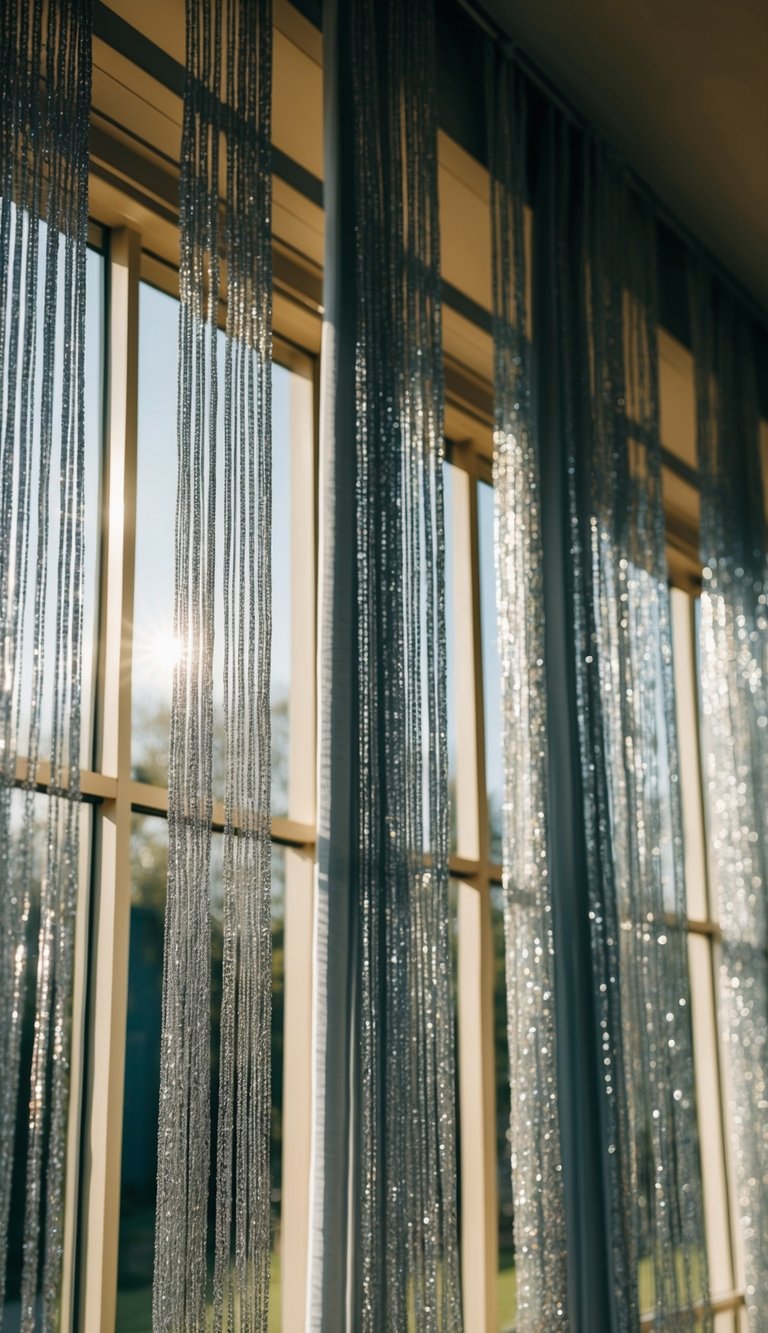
(491, 668)
(149, 869)
(506, 1290)
(154, 648)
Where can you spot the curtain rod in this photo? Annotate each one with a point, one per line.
(665, 214)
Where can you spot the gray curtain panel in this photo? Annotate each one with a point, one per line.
(384, 1233)
(224, 446)
(45, 97)
(733, 662)
(539, 1223)
(601, 887)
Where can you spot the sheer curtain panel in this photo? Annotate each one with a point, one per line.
(384, 1242)
(45, 96)
(539, 1222)
(599, 884)
(222, 555)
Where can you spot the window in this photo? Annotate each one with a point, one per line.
(131, 468)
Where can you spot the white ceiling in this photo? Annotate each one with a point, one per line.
(680, 87)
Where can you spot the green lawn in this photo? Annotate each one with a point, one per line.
(646, 1285)
(134, 1307)
(506, 1291)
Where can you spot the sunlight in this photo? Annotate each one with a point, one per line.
(156, 653)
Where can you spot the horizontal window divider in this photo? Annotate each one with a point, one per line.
(464, 867)
(93, 786)
(701, 1310)
(696, 926)
(147, 799)
(292, 833)
(671, 921)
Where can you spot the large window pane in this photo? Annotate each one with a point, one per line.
(45, 554)
(506, 1289)
(149, 868)
(450, 632)
(28, 885)
(154, 649)
(454, 889)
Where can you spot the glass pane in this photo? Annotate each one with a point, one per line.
(149, 868)
(450, 643)
(94, 347)
(491, 668)
(48, 552)
(154, 649)
(506, 1290)
(454, 889)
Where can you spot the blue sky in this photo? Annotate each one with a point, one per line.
(156, 495)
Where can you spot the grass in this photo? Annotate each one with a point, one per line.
(646, 1280)
(506, 1291)
(506, 1287)
(134, 1306)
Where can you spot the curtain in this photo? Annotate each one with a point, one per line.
(733, 663)
(224, 444)
(45, 90)
(540, 1268)
(383, 1242)
(608, 852)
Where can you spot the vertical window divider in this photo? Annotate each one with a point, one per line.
(479, 1224)
(108, 992)
(721, 1233)
(299, 867)
(77, 1071)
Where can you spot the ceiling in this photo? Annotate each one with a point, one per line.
(680, 87)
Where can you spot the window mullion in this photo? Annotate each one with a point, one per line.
(703, 948)
(479, 1224)
(299, 869)
(111, 876)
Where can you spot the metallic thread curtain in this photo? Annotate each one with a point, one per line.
(45, 93)
(733, 662)
(225, 255)
(384, 1238)
(607, 850)
(539, 1223)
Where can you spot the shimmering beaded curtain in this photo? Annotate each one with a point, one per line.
(734, 706)
(45, 90)
(408, 1161)
(539, 1223)
(384, 1243)
(624, 687)
(225, 146)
